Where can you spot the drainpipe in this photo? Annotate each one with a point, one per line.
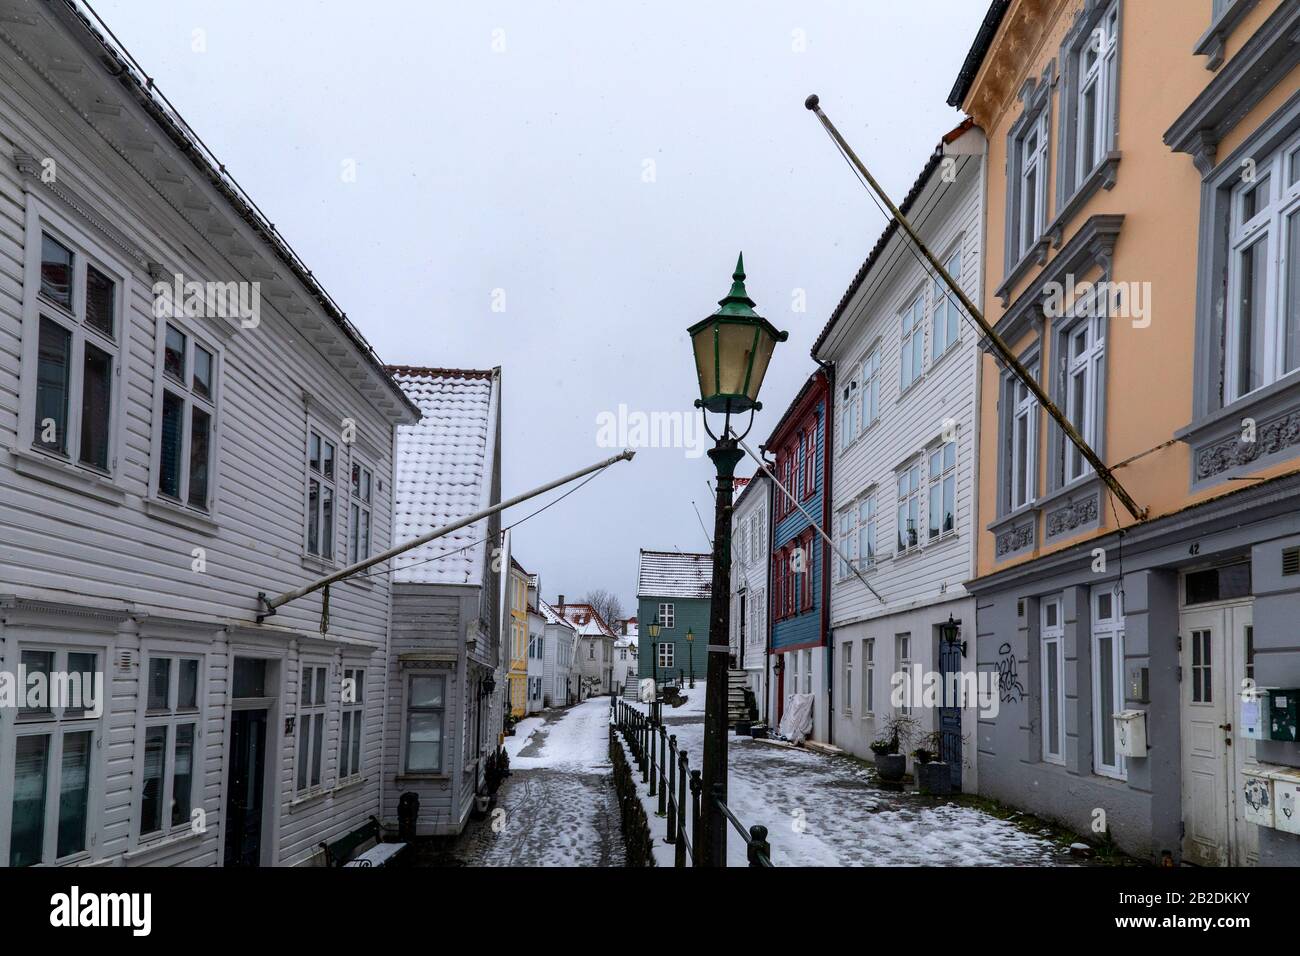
(828, 369)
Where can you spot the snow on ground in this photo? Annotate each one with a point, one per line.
(557, 807)
(827, 811)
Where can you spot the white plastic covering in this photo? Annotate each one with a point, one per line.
(646, 691)
(796, 721)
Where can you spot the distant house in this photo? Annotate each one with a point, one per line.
(594, 660)
(751, 551)
(443, 716)
(517, 651)
(800, 585)
(559, 688)
(673, 590)
(535, 667)
(625, 657)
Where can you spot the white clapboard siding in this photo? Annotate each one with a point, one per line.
(910, 422)
(130, 571)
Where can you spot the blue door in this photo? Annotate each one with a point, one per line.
(950, 713)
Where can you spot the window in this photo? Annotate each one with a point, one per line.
(353, 698)
(806, 562)
(849, 411)
(171, 724)
(909, 508)
(903, 667)
(667, 616)
(806, 671)
(845, 541)
(187, 416)
(1083, 355)
(847, 676)
(667, 655)
(865, 552)
(312, 705)
(53, 746)
(1217, 584)
(1052, 643)
(1094, 94)
(912, 345)
(947, 311)
(809, 442)
(320, 495)
(75, 326)
(1202, 668)
(793, 667)
(1263, 333)
(1031, 184)
(943, 490)
(1107, 679)
(425, 706)
(1021, 436)
(359, 524)
(868, 677)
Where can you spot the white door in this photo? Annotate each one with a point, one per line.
(1213, 659)
(1245, 835)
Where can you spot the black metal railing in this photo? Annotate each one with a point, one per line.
(665, 769)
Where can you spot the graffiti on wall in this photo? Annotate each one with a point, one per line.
(1009, 689)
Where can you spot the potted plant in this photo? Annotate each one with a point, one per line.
(891, 760)
(932, 774)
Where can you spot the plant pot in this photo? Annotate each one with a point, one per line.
(934, 778)
(482, 802)
(891, 767)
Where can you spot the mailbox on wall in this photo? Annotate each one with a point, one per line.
(1286, 799)
(1257, 795)
(1131, 733)
(1282, 714)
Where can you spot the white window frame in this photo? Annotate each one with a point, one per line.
(1090, 366)
(903, 666)
(668, 616)
(911, 339)
(408, 677)
(943, 483)
(869, 393)
(806, 670)
(352, 722)
(846, 541)
(869, 677)
(849, 409)
(310, 712)
(172, 717)
(54, 724)
(1107, 628)
(325, 435)
(1100, 78)
(909, 502)
(1029, 230)
(666, 655)
(359, 550)
(190, 400)
(1269, 224)
(865, 509)
(1052, 648)
(945, 319)
(1022, 460)
(40, 220)
(847, 678)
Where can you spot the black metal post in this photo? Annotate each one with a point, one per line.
(696, 787)
(663, 758)
(671, 837)
(650, 728)
(679, 851)
(758, 845)
(726, 454)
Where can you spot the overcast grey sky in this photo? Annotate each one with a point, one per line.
(505, 146)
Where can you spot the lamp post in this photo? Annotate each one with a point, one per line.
(732, 347)
(653, 630)
(690, 654)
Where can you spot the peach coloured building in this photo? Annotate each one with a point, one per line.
(1143, 261)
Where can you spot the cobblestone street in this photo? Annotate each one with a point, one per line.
(558, 806)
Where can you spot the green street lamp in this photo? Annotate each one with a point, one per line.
(733, 348)
(690, 654)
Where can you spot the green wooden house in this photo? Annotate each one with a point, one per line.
(673, 590)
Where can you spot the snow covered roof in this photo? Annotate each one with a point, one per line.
(444, 469)
(553, 616)
(680, 574)
(586, 619)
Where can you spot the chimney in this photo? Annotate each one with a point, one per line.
(561, 602)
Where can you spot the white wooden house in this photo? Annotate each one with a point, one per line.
(751, 553)
(162, 461)
(445, 673)
(903, 492)
(559, 686)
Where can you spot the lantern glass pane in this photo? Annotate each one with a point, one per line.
(762, 356)
(735, 355)
(703, 344)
